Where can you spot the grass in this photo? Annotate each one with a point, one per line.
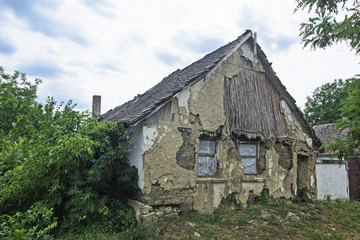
(269, 219)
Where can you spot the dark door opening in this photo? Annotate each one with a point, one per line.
(354, 179)
(302, 176)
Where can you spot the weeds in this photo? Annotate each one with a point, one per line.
(269, 219)
(266, 220)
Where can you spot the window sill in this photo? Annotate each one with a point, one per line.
(211, 180)
(253, 179)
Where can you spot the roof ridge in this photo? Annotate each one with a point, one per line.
(142, 106)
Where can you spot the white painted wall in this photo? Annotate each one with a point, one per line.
(332, 180)
(143, 139)
(135, 156)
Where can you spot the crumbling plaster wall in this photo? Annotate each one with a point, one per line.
(171, 146)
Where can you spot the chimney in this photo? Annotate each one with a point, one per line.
(96, 106)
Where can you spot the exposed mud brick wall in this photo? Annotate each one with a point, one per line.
(172, 146)
(285, 150)
(185, 157)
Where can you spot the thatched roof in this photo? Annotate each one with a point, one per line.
(141, 107)
(329, 132)
(137, 109)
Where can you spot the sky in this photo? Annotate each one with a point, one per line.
(121, 48)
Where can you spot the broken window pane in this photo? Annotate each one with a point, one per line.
(248, 149)
(207, 146)
(207, 157)
(249, 156)
(206, 166)
(249, 165)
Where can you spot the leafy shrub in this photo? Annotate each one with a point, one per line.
(64, 160)
(36, 222)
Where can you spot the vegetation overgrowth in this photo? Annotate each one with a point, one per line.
(60, 170)
(266, 219)
(331, 21)
(338, 102)
(334, 21)
(323, 106)
(348, 148)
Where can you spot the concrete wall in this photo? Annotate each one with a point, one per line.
(332, 179)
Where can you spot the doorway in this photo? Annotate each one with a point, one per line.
(302, 176)
(354, 179)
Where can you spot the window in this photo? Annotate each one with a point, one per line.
(207, 157)
(249, 152)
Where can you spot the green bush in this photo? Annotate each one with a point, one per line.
(37, 222)
(61, 160)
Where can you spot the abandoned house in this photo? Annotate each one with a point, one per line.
(223, 129)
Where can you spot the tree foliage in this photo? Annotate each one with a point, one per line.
(335, 21)
(61, 163)
(350, 110)
(17, 97)
(326, 27)
(323, 106)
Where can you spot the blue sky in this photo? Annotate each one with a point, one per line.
(119, 49)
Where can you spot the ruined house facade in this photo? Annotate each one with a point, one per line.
(222, 129)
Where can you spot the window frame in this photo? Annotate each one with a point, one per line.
(256, 156)
(210, 155)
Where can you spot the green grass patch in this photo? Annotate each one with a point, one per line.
(270, 219)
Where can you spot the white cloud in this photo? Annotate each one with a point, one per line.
(119, 49)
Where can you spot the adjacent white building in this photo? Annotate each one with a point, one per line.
(332, 174)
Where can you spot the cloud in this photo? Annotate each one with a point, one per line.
(40, 19)
(6, 47)
(109, 66)
(269, 35)
(206, 44)
(24, 7)
(46, 69)
(101, 7)
(62, 92)
(121, 48)
(96, 4)
(278, 43)
(198, 43)
(167, 58)
(284, 42)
